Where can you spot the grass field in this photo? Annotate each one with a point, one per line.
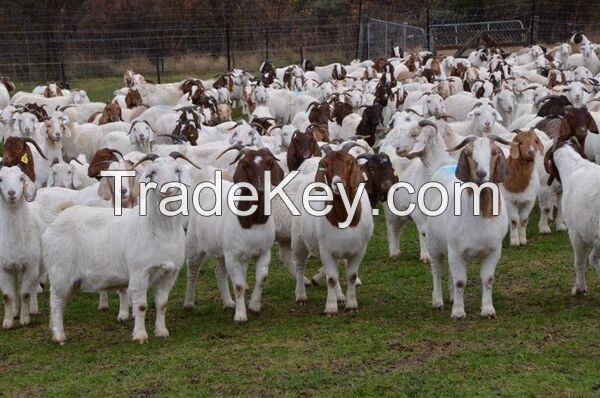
(544, 342)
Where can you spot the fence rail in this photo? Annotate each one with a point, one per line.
(81, 46)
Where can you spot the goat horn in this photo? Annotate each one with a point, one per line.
(241, 153)
(178, 155)
(151, 156)
(414, 111)
(499, 140)
(75, 160)
(179, 139)
(311, 104)
(234, 126)
(464, 143)
(349, 145)
(239, 147)
(527, 88)
(117, 152)
(547, 97)
(429, 123)
(37, 147)
(327, 149)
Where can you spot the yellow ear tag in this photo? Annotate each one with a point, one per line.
(24, 159)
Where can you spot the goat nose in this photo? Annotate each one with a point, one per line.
(123, 191)
(481, 174)
(11, 193)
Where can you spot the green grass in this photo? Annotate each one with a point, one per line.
(544, 342)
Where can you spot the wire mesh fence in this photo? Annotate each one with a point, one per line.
(178, 38)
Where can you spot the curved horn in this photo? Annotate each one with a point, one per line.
(239, 147)
(179, 139)
(241, 153)
(327, 149)
(349, 145)
(527, 88)
(414, 111)
(311, 104)
(499, 140)
(151, 156)
(37, 147)
(75, 160)
(178, 155)
(547, 97)
(117, 152)
(464, 143)
(429, 123)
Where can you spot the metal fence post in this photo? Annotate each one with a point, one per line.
(368, 40)
(532, 22)
(157, 61)
(301, 56)
(428, 32)
(266, 43)
(228, 47)
(385, 50)
(358, 27)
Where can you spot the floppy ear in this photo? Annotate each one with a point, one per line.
(463, 169)
(593, 127)
(540, 146)
(356, 177)
(277, 174)
(29, 190)
(76, 180)
(320, 174)
(564, 131)
(292, 156)
(26, 163)
(500, 169)
(50, 182)
(498, 117)
(104, 190)
(515, 150)
(240, 175)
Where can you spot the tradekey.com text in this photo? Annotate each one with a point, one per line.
(315, 200)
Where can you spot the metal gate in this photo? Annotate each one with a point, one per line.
(381, 35)
(457, 34)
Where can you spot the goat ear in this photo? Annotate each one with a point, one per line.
(471, 115)
(498, 116)
(500, 169)
(50, 182)
(29, 190)
(26, 162)
(514, 150)
(593, 127)
(539, 146)
(104, 190)
(76, 180)
(240, 174)
(356, 177)
(463, 169)
(564, 131)
(277, 174)
(292, 156)
(132, 138)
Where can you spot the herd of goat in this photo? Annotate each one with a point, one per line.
(526, 121)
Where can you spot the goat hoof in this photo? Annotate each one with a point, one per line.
(578, 292)
(425, 259)
(7, 324)
(329, 312)
(229, 305)
(458, 315)
(188, 306)
(545, 231)
(562, 227)
(25, 321)
(314, 282)
(352, 308)
(161, 332)
(358, 282)
(254, 312)
(489, 313)
(307, 281)
(140, 337)
(438, 306)
(301, 301)
(240, 322)
(122, 318)
(60, 340)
